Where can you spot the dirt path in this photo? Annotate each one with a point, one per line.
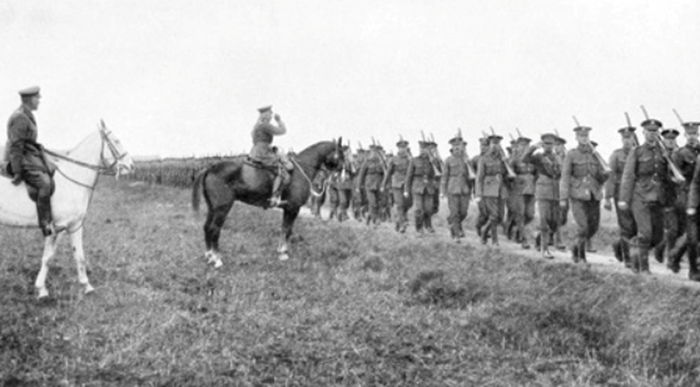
(598, 262)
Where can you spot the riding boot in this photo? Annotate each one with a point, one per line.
(276, 199)
(43, 207)
(617, 250)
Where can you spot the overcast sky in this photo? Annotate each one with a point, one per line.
(182, 78)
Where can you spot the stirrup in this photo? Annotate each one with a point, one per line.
(277, 202)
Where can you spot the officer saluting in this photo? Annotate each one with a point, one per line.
(26, 159)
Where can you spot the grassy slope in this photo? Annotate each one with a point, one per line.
(353, 306)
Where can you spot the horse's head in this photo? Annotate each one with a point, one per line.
(117, 160)
(335, 158)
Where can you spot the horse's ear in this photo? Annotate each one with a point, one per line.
(340, 142)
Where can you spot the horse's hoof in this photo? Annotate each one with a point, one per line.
(284, 257)
(89, 289)
(218, 263)
(43, 294)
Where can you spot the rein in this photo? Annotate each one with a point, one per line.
(311, 184)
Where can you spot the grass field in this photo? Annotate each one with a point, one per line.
(354, 306)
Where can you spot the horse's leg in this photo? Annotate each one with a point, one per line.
(76, 240)
(212, 232)
(49, 251)
(288, 219)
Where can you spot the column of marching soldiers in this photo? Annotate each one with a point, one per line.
(653, 185)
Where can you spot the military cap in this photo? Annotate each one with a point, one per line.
(560, 140)
(456, 141)
(524, 139)
(402, 143)
(595, 144)
(670, 133)
(651, 124)
(423, 144)
(582, 129)
(495, 138)
(29, 91)
(376, 147)
(345, 147)
(265, 109)
(626, 131)
(548, 138)
(691, 127)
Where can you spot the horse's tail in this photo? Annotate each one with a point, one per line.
(196, 188)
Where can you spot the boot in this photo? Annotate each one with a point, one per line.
(617, 249)
(625, 250)
(494, 234)
(644, 260)
(693, 274)
(538, 241)
(582, 251)
(589, 246)
(544, 248)
(659, 252)
(557, 241)
(574, 253)
(484, 234)
(44, 214)
(429, 224)
(419, 225)
(634, 258)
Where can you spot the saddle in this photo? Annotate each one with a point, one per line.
(274, 168)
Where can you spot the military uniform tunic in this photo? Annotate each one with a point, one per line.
(420, 179)
(581, 182)
(645, 187)
(522, 194)
(371, 177)
(491, 186)
(396, 173)
(456, 185)
(548, 170)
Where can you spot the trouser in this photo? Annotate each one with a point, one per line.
(482, 217)
(523, 213)
(494, 208)
(333, 201)
(402, 205)
(344, 198)
(458, 205)
(587, 216)
(359, 204)
(373, 205)
(649, 217)
(676, 224)
(549, 220)
(693, 240)
(424, 209)
(41, 188)
(628, 229)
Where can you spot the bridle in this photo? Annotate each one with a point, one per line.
(308, 179)
(112, 169)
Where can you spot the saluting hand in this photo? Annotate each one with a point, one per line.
(278, 118)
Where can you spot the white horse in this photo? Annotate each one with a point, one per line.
(75, 178)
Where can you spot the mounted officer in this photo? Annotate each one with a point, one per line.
(26, 160)
(263, 152)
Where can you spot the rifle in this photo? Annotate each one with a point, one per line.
(504, 158)
(679, 117)
(675, 171)
(629, 125)
(601, 160)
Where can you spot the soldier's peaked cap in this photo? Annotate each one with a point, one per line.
(627, 130)
(265, 109)
(523, 139)
(495, 137)
(582, 129)
(670, 133)
(651, 124)
(29, 91)
(691, 127)
(456, 141)
(560, 140)
(549, 138)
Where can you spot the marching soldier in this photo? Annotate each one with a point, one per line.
(420, 178)
(625, 219)
(396, 173)
(491, 187)
(686, 160)
(522, 194)
(437, 165)
(673, 214)
(371, 176)
(340, 188)
(560, 152)
(581, 181)
(644, 189)
(548, 169)
(359, 198)
(26, 159)
(482, 216)
(456, 184)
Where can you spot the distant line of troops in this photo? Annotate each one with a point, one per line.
(656, 210)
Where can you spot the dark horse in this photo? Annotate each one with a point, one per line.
(225, 182)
